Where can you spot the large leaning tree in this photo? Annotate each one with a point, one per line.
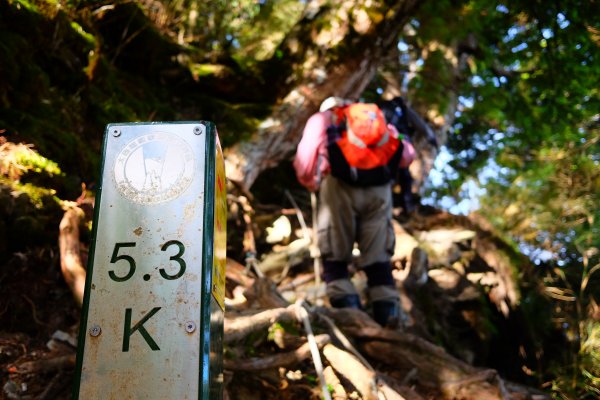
(333, 48)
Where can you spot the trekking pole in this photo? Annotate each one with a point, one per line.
(314, 248)
(302, 315)
(315, 253)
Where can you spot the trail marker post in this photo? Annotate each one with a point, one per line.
(152, 318)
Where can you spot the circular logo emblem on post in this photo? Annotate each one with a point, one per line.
(154, 168)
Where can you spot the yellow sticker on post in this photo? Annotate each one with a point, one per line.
(220, 231)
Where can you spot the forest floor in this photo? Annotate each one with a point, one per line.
(452, 286)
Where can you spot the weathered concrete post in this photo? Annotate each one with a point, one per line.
(152, 320)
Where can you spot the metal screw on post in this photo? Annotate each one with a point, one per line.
(199, 130)
(116, 132)
(95, 331)
(190, 326)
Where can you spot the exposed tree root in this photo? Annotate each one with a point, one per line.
(70, 258)
(238, 328)
(278, 360)
(57, 363)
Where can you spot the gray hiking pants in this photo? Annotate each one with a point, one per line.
(349, 214)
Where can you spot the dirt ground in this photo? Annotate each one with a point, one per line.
(38, 328)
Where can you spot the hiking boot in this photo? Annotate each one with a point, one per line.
(387, 313)
(347, 301)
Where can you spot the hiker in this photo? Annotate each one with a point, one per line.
(350, 154)
(407, 122)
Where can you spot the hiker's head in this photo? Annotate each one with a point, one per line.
(332, 102)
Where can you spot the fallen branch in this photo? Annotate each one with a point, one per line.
(439, 371)
(370, 383)
(239, 327)
(286, 256)
(397, 387)
(340, 337)
(432, 370)
(410, 342)
(338, 391)
(349, 318)
(279, 360)
(353, 370)
(264, 294)
(47, 365)
(296, 283)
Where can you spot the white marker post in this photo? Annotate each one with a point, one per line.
(152, 318)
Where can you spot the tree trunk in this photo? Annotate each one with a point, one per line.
(339, 60)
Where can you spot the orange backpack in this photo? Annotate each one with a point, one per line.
(362, 150)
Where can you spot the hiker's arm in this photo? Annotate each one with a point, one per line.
(408, 150)
(311, 161)
(421, 127)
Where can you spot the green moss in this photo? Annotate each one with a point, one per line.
(273, 329)
(88, 37)
(33, 161)
(19, 4)
(204, 70)
(37, 196)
